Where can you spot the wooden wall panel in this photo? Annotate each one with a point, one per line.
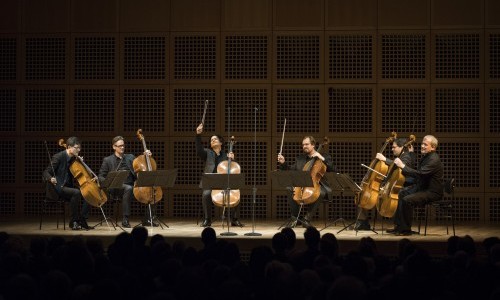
(492, 17)
(404, 14)
(246, 15)
(298, 14)
(94, 16)
(46, 16)
(10, 16)
(347, 15)
(457, 13)
(195, 15)
(140, 16)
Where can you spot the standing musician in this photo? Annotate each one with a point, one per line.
(58, 173)
(408, 157)
(428, 186)
(212, 157)
(308, 147)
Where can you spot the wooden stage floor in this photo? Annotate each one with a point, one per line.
(189, 232)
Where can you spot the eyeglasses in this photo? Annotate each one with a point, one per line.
(77, 147)
(120, 146)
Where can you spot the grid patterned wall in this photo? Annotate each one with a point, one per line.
(354, 80)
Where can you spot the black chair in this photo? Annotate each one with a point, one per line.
(53, 199)
(443, 207)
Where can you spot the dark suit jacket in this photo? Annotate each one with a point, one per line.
(208, 155)
(429, 174)
(60, 162)
(109, 163)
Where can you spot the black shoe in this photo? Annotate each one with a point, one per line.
(362, 225)
(206, 223)
(392, 230)
(74, 225)
(404, 233)
(84, 225)
(125, 223)
(236, 222)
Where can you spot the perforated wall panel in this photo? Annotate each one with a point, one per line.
(298, 57)
(242, 103)
(461, 160)
(95, 58)
(36, 159)
(8, 156)
(8, 109)
(94, 109)
(457, 110)
(301, 107)
(190, 167)
(7, 203)
(261, 205)
(144, 108)
(350, 56)
(467, 208)
(246, 57)
(145, 58)
(404, 109)
(187, 205)
(44, 110)
(494, 110)
(253, 159)
(494, 209)
(350, 109)
(458, 56)
(195, 57)
(33, 205)
(403, 56)
(45, 58)
(188, 107)
(8, 59)
(494, 56)
(494, 165)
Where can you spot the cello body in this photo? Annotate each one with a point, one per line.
(309, 195)
(144, 163)
(372, 181)
(89, 186)
(227, 167)
(389, 192)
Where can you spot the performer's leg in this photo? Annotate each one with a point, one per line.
(74, 197)
(126, 203)
(206, 200)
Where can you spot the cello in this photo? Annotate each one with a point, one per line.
(388, 198)
(308, 195)
(370, 185)
(227, 167)
(87, 180)
(144, 163)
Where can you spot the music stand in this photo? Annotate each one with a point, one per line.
(114, 180)
(335, 183)
(226, 183)
(287, 180)
(153, 179)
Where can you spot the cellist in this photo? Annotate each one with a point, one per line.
(212, 157)
(119, 161)
(408, 157)
(309, 152)
(59, 175)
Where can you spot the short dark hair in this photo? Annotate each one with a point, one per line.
(72, 141)
(400, 142)
(116, 139)
(219, 137)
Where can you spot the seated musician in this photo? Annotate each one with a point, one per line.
(58, 173)
(116, 162)
(428, 187)
(409, 157)
(308, 147)
(212, 157)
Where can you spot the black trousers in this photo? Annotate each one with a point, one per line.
(207, 206)
(126, 193)
(408, 198)
(312, 208)
(74, 196)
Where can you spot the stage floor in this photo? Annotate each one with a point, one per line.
(189, 232)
